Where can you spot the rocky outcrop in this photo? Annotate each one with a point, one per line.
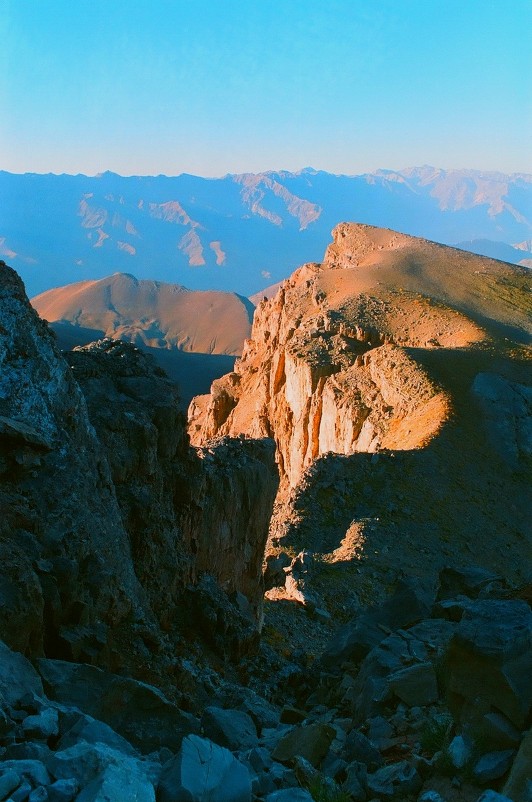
(68, 576)
(187, 512)
(333, 361)
(325, 385)
(110, 516)
(394, 378)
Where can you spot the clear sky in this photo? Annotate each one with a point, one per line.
(216, 86)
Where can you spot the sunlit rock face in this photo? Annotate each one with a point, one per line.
(380, 374)
(328, 365)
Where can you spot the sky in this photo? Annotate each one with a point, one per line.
(211, 87)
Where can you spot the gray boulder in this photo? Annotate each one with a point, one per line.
(358, 747)
(372, 689)
(41, 726)
(394, 781)
(489, 660)
(85, 762)
(31, 770)
(117, 783)
(17, 677)
(415, 685)
(311, 742)
(202, 771)
(519, 783)
(470, 582)
(9, 780)
(233, 729)
(63, 791)
(493, 766)
(137, 711)
(93, 731)
(407, 606)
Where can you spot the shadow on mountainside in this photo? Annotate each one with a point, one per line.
(463, 497)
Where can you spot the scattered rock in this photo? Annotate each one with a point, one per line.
(489, 658)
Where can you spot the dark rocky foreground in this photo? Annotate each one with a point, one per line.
(131, 666)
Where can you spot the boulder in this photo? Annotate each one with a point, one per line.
(84, 762)
(31, 770)
(423, 643)
(492, 766)
(263, 713)
(137, 711)
(356, 781)
(63, 791)
(394, 781)
(416, 685)
(311, 742)
(9, 780)
(17, 677)
(459, 751)
(37, 795)
(519, 783)
(493, 731)
(359, 748)
(470, 582)
(41, 726)
(93, 731)
(117, 783)
(489, 660)
(202, 771)
(409, 604)
(233, 729)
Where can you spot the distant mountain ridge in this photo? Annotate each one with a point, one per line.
(240, 232)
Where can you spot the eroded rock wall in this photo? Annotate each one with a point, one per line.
(66, 554)
(110, 516)
(319, 379)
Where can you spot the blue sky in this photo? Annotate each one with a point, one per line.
(216, 86)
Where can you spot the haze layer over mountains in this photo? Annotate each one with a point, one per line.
(243, 232)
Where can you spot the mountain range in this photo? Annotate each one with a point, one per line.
(242, 233)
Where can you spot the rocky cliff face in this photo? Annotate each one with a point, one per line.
(327, 367)
(187, 512)
(108, 512)
(67, 554)
(380, 373)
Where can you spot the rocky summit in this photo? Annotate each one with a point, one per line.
(317, 588)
